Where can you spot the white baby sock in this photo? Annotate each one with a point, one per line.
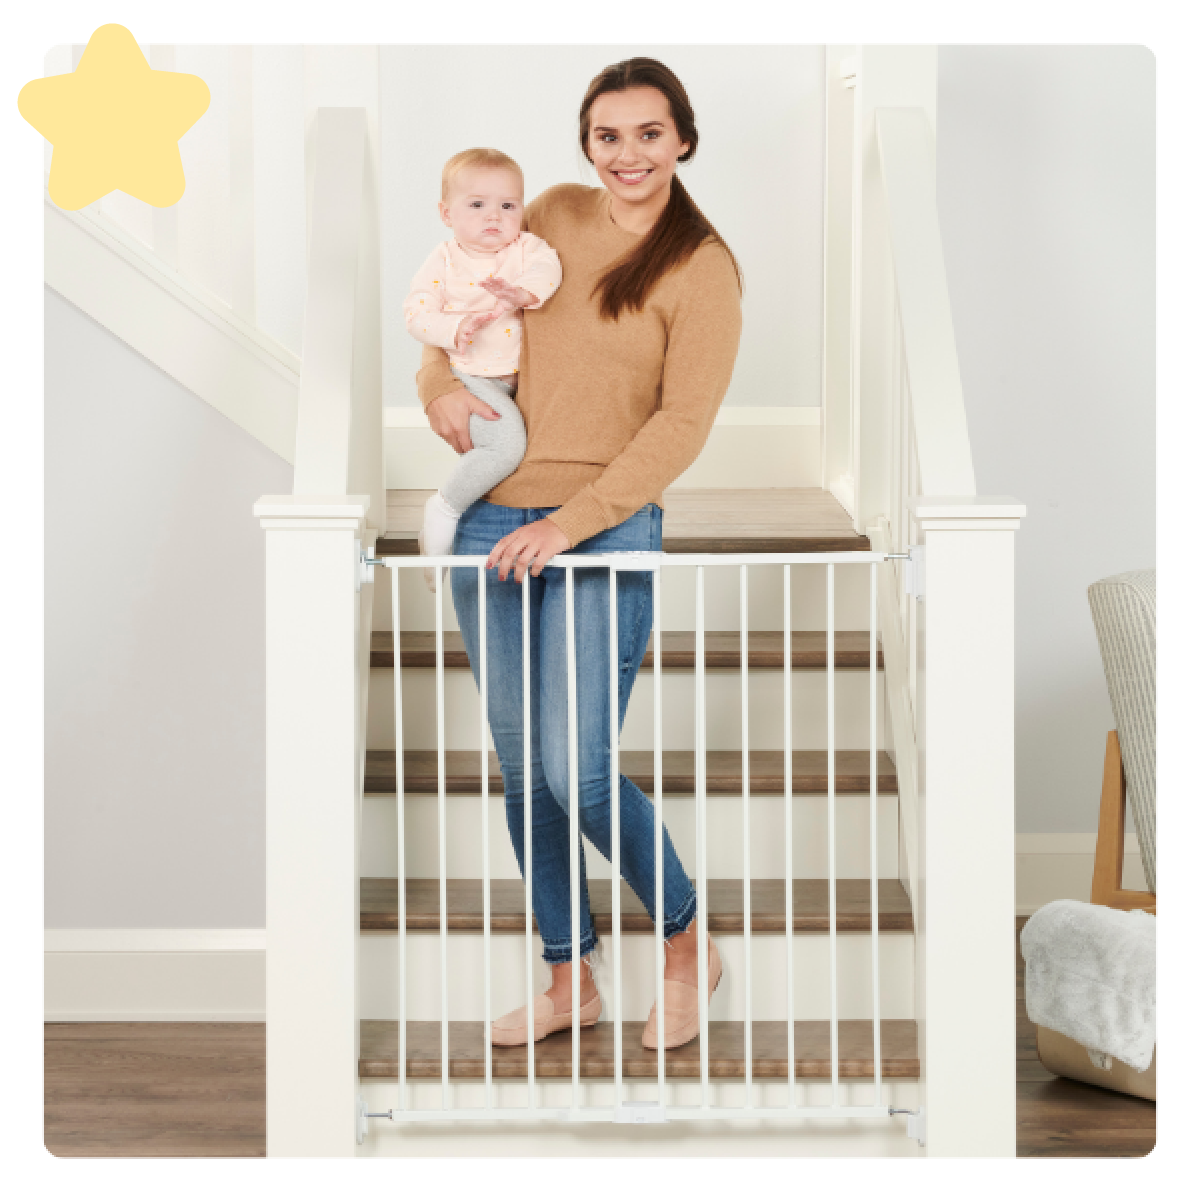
(438, 526)
(437, 533)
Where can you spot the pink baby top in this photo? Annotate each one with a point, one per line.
(447, 288)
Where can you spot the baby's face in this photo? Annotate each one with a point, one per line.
(484, 208)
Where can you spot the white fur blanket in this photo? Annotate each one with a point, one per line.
(1090, 974)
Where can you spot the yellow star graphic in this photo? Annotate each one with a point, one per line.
(114, 123)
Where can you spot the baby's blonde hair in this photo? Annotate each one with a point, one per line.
(479, 157)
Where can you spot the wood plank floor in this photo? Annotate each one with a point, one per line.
(724, 770)
(465, 909)
(769, 1052)
(199, 1089)
(765, 650)
(710, 520)
(156, 1088)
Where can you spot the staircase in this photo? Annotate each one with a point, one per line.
(931, 818)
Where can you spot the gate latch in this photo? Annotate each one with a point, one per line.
(640, 1112)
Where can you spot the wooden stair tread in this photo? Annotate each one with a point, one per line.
(765, 650)
(465, 908)
(769, 1051)
(724, 769)
(697, 520)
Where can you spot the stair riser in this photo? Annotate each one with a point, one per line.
(724, 831)
(765, 599)
(465, 959)
(723, 708)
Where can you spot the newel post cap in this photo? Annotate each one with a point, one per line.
(967, 512)
(313, 512)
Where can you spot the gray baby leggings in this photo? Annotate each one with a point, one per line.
(498, 446)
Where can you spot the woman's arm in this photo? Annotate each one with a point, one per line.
(702, 345)
(435, 377)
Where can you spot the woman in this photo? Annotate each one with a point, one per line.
(622, 373)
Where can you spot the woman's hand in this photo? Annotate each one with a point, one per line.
(470, 326)
(448, 416)
(528, 549)
(509, 296)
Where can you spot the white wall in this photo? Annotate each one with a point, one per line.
(757, 176)
(1046, 198)
(154, 789)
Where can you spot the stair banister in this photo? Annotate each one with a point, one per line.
(906, 146)
(897, 456)
(319, 604)
(948, 623)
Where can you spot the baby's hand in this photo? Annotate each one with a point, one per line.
(470, 326)
(509, 295)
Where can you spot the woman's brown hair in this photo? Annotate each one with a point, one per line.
(681, 227)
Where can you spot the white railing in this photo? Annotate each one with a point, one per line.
(898, 457)
(622, 1108)
(947, 628)
(319, 618)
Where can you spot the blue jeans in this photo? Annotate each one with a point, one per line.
(480, 528)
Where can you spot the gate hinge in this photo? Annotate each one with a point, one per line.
(367, 566)
(915, 1123)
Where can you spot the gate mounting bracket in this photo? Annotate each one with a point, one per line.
(915, 1123)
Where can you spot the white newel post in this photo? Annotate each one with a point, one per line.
(966, 818)
(313, 781)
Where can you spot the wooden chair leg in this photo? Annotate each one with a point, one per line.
(1111, 838)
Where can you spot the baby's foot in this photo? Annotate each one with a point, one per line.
(437, 535)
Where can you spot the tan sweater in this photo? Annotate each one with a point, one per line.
(614, 411)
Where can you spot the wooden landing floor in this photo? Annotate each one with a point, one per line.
(199, 1089)
(710, 520)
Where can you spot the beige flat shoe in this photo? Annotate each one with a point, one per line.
(681, 1023)
(511, 1030)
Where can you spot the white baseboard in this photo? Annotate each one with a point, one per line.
(1052, 867)
(750, 447)
(843, 491)
(156, 975)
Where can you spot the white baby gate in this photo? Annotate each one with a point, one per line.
(623, 1109)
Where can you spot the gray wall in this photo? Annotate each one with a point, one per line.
(758, 176)
(154, 643)
(1046, 193)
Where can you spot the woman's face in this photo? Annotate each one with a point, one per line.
(634, 144)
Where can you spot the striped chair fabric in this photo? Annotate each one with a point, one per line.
(1123, 609)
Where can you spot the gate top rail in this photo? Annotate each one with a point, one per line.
(648, 560)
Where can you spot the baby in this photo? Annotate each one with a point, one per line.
(467, 298)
